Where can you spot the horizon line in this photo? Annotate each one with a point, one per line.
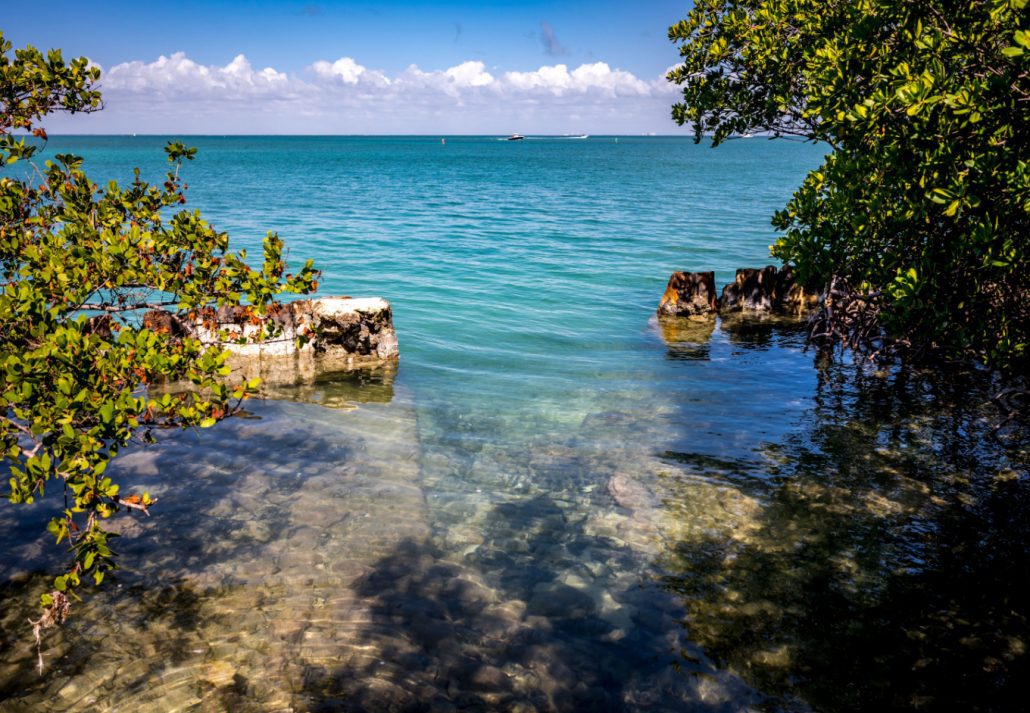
(365, 135)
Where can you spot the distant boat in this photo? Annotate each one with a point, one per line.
(516, 137)
(576, 136)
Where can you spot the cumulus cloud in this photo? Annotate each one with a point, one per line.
(598, 76)
(469, 74)
(180, 75)
(348, 71)
(452, 81)
(175, 93)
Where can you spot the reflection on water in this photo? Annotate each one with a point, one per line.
(731, 531)
(887, 567)
(338, 390)
(760, 332)
(686, 338)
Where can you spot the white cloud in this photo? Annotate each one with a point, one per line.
(179, 74)
(466, 78)
(469, 74)
(178, 94)
(348, 71)
(599, 76)
(555, 79)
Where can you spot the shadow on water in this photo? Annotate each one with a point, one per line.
(246, 519)
(529, 621)
(153, 606)
(874, 557)
(889, 566)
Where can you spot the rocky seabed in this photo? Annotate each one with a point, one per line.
(375, 577)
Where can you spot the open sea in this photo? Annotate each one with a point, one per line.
(553, 502)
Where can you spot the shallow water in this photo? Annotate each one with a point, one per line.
(554, 502)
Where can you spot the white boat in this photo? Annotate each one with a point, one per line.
(516, 137)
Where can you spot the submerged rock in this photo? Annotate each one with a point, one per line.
(310, 336)
(766, 290)
(687, 338)
(339, 390)
(689, 294)
(629, 493)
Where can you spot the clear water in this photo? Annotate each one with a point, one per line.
(553, 502)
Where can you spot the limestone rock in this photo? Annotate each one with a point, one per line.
(794, 298)
(218, 673)
(766, 290)
(340, 333)
(754, 290)
(629, 493)
(689, 294)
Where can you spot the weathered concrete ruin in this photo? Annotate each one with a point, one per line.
(310, 336)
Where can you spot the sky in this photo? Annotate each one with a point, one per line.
(488, 67)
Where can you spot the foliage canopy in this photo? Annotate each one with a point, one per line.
(918, 219)
(78, 264)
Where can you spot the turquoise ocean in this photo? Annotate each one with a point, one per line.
(553, 501)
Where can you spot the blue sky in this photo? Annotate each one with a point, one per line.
(354, 67)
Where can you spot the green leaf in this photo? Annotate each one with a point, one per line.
(74, 374)
(862, 79)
